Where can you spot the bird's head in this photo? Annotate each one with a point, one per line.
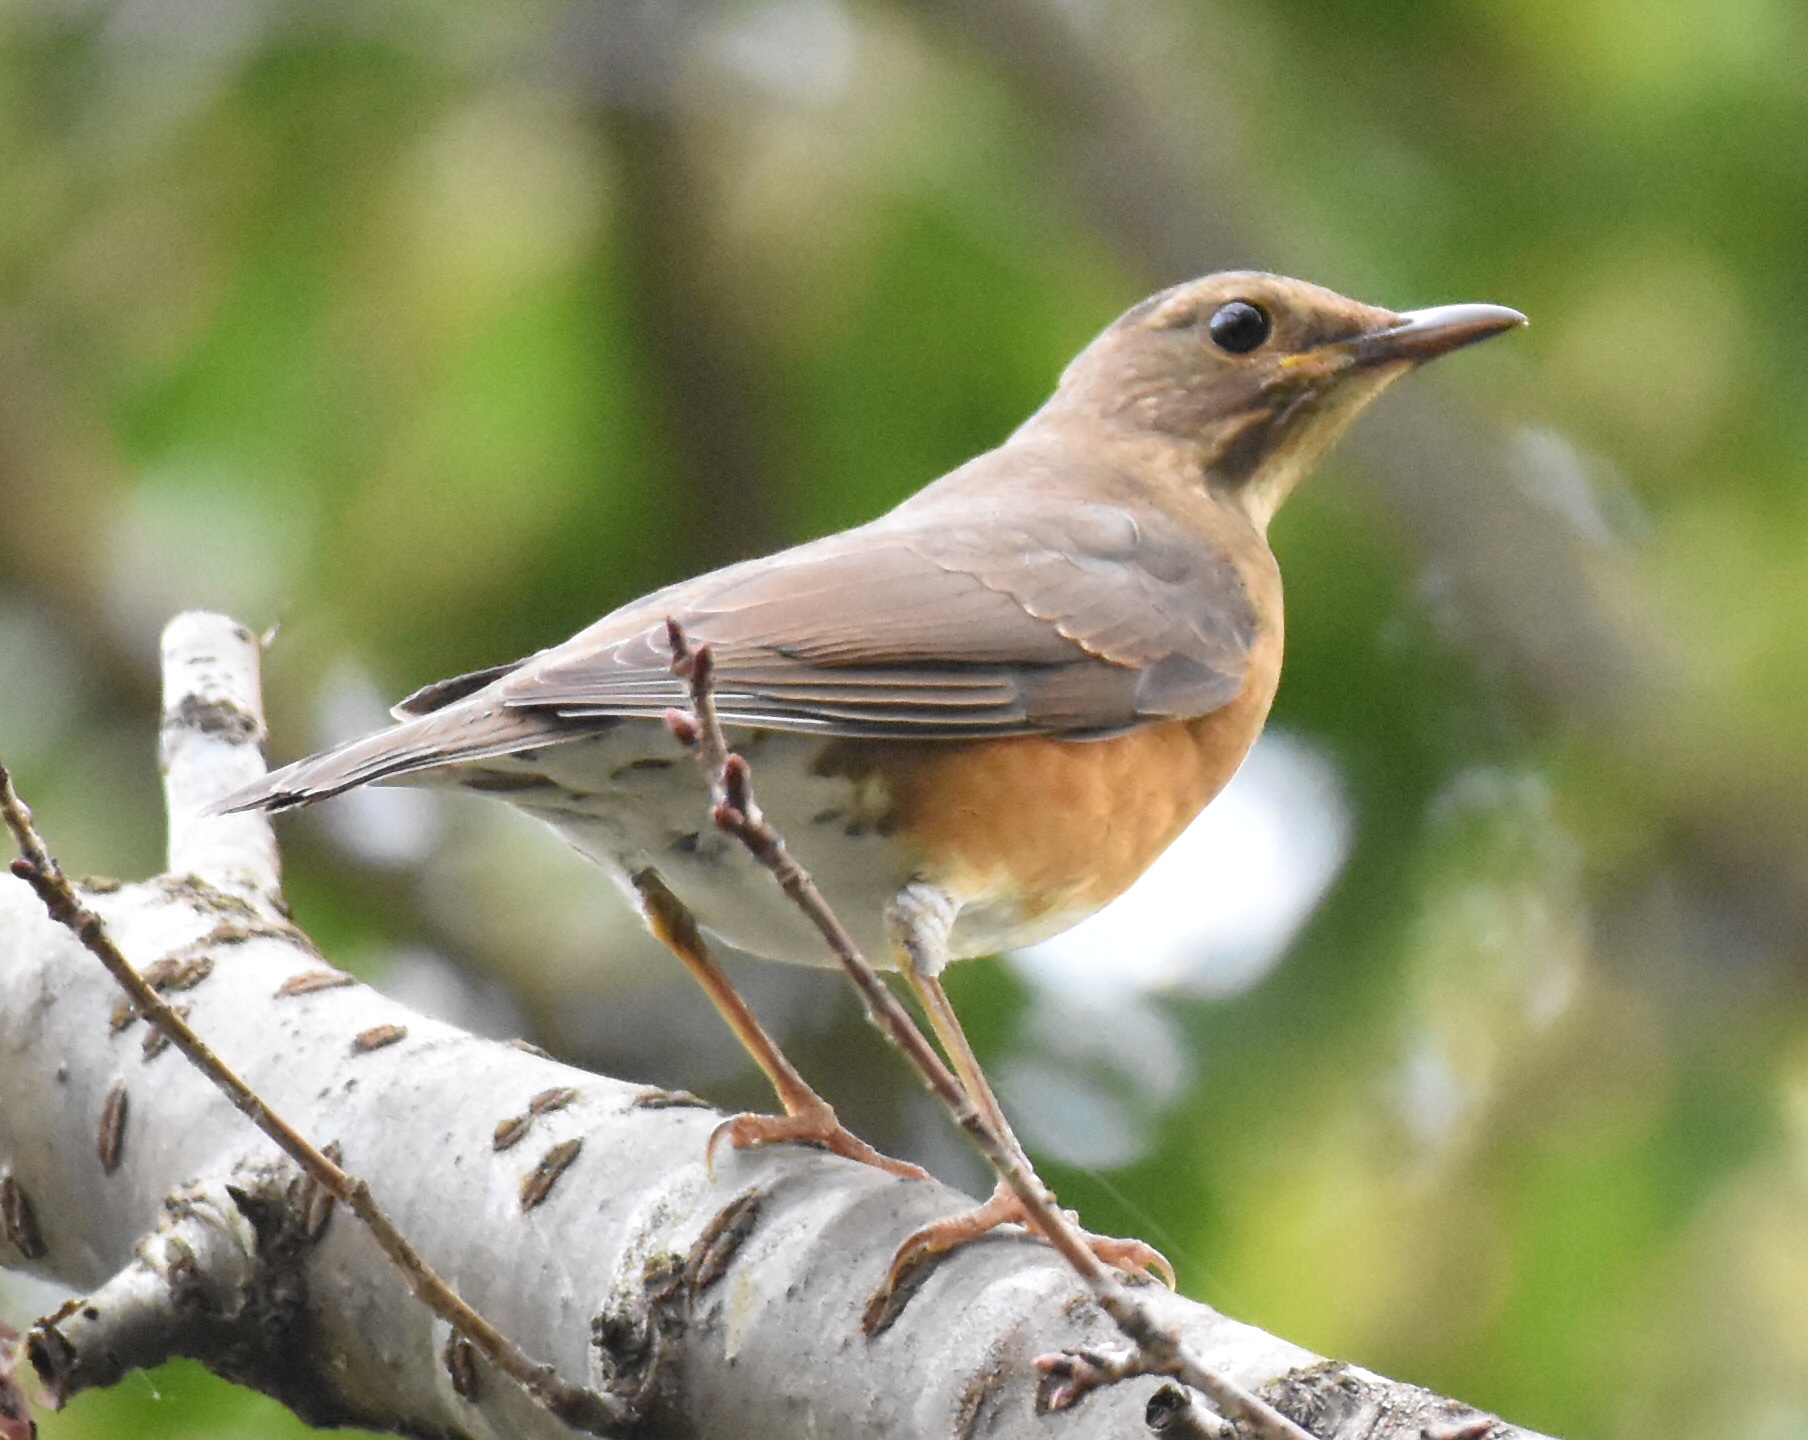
(1256, 375)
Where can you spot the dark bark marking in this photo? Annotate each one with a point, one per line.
(548, 1101)
(460, 1358)
(669, 1100)
(377, 1037)
(510, 1131)
(111, 1140)
(715, 1248)
(308, 981)
(221, 718)
(537, 1184)
(19, 1219)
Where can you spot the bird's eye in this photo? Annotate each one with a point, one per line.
(1239, 327)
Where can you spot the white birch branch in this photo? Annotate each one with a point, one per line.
(725, 1305)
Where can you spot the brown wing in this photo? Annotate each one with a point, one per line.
(1049, 617)
(1015, 605)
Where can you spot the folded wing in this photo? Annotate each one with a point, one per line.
(1052, 614)
(1075, 620)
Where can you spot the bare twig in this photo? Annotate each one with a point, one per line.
(733, 809)
(1068, 1377)
(1158, 1350)
(584, 1409)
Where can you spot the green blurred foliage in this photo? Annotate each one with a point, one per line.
(434, 332)
(180, 1401)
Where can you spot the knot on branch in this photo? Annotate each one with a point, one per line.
(633, 1335)
(1332, 1399)
(220, 1280)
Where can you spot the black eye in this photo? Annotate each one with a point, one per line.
(1239, 327)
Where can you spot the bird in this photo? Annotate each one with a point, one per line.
(975, 719)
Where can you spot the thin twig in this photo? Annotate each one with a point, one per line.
(1070, 1376)
(733, 809)
(1158, 1350)
(584, 1409)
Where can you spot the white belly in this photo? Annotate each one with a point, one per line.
(631, 798)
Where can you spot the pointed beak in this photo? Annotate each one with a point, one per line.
(1421, 335)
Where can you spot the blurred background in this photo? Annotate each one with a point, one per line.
(1467, 1036)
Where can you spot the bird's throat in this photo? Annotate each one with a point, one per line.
(1262, 456)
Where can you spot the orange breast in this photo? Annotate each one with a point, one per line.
(1058, 827)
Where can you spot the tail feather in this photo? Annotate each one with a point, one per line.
(451, 736)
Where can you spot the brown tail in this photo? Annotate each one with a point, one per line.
(445, 737)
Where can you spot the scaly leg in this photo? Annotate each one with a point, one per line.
(808, 1117)
(921, 919)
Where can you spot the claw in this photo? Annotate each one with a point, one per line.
(1132, 1257)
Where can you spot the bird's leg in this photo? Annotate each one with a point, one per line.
(808, 1117)
(1131, 1256)
(921, 918)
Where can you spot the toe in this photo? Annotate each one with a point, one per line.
(911, 1262)
(1132, 1257)
(809, 1127)
(842, 1141)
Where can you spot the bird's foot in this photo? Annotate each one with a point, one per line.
(809, 1123)
(910, 1265)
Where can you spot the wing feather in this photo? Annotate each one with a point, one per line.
(1068, 618)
